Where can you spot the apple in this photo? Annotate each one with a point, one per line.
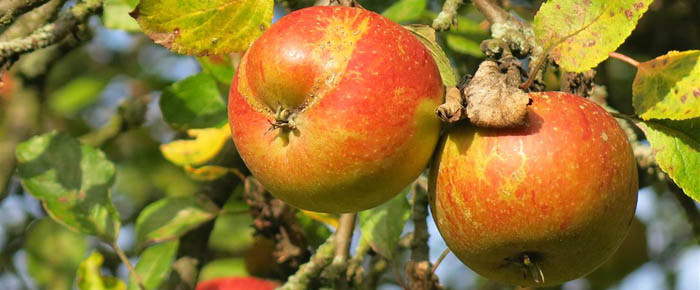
(236, 283)
(332, 108)
(537, 205)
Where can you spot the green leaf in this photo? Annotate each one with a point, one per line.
(676, 145)
(426, 35)
(668, 87)
(194, 102)
(76, 95)
(204, 27)
(72, 181)
(580, 34)
(405, 10)
(464, 45)
(53, 254)
(155, 264)
(170, 218)
(115, 15)
(232, 231)
(382, 225)
(221, 67)
(90, 277)
(223, 268)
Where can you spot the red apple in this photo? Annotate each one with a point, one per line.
(538, 205)
(236, 283)
(332, 108)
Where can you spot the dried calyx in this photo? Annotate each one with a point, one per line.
(490, 99)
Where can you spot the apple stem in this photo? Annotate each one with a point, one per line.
(534, 268)
(624, 58)
(439, 259)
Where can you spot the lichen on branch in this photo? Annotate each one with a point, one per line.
(67, 22)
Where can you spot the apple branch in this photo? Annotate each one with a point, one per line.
(334, 274)
(311, 269)
(418, 269)
(492, 12)
(447, 16)
(15, 8)
(67, 22)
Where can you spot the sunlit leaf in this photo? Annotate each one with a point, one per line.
(204, 27)
(154, 265)
(206, 145)
(194, 102)
(326, 218)
(90, 276)
(170, 218)
(426, 35)
(53, 254)
(668, 87)
(209, 172)
(580, 34)
(676, 146)
(382, 225)
(405, 10)
(115, 15)
(73, 182)
(221, 67)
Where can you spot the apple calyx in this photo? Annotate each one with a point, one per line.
(284, 119)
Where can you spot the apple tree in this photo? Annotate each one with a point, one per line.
(343, 144)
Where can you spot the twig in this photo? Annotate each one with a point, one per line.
(32, 20)
(447, 16)
(688, 205)
(323, 257)
(355, 271)
(418, 269)
(624, 58)
(126, 262)
(14, 8)
(439, 259)
(50, 33)
(419, 244)
(493, 13)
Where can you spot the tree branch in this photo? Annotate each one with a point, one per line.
(418, 269)
(447, 16)
(14, 8)
(493, 13)
(302, 278)
(419, 245)
(66, 23)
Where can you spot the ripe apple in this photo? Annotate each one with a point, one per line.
(236, 283)
(538, 205)
(332, 108)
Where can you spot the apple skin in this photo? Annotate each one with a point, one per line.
(236, 283)
(363, 91)
(561, 190)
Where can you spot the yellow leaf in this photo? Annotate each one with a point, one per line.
(206, 145)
